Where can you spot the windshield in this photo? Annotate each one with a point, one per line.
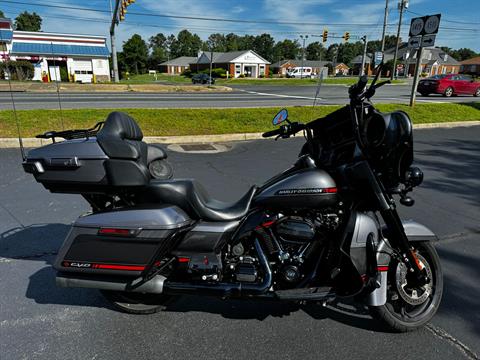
(437, 77)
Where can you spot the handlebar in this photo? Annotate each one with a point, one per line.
(272, 133)
(285, 131)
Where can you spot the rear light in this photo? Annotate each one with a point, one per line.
(183, 259)
(117, 232)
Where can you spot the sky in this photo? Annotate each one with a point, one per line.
(459, 25)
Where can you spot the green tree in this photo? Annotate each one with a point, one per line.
(186, 44)
(26, 21)
(231, 42)
(315, 51)
(348, 51)
(246, 42)
(216, 42)
(286, 49)
(2, 15)
(332, 52)
(158, 48)
(135, 52)
(263, 46)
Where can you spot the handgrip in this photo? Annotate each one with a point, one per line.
(272, 133)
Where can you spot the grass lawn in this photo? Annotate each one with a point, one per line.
(165, 122)
(164, 78)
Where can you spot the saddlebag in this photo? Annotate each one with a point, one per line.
(120, 242)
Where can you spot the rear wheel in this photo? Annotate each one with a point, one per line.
(477, 92)
(410, 307)
(424, 94)
(448, 92)
(137, 303)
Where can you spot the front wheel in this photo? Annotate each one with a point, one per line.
(448, 92)
(410, 307)
(137, 303)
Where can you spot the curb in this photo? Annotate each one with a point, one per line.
(192, 139)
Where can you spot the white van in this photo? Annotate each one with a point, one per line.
(300, 72)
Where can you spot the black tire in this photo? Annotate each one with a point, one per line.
(137, 303)
(477, 92)
(448, 92)
(418, 315)
(424, 94)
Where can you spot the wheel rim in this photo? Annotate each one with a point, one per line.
(477, 93)
(449, 91)
(411, 304)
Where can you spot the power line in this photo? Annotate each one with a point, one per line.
(260, 21)
(451, 21)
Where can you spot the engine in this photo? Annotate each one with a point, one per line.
(288, 242)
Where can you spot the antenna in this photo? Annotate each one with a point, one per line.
(56, 82)
(7, 60)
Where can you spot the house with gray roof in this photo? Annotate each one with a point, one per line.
(246, 62)
(176, 66)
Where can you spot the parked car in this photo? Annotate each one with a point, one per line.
(448, 85)
(300, 72)
(202, 79)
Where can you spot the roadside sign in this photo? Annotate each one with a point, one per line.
(416, 26)
(425, 25)
(414, 42)
(378, 57)
(428, 40)
(431, 24)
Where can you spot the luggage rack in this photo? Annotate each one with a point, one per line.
(72, 134)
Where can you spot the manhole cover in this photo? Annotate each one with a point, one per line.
(198, 147)
(208, 148)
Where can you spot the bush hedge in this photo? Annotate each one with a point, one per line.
(19, 70)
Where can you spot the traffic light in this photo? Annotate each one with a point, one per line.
(325, 35)
(346, 36)
(123, 8)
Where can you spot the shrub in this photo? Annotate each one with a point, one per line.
(19, 70)
(241, 75)
(187, 73)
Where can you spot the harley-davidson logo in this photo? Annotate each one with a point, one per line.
(311, 191)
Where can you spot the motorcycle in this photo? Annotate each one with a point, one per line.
(310, 234)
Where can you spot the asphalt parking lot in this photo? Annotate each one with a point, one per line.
(40, 321)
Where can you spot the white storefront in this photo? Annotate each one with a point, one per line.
(58, 57)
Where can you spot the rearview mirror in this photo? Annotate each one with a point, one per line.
(281, 116)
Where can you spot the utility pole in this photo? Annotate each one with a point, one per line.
(303, 53)
(385, 20)
(402, 5)
(112, 42)
(211, 62)
(364, 56)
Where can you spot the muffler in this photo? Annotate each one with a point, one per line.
(152, 286)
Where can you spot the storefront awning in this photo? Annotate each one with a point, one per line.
(6, 35)
(57, 49)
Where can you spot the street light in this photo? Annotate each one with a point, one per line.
(303, 37)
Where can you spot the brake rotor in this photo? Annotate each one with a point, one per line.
(413, 295)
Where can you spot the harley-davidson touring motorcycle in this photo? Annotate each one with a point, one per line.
(324, 230)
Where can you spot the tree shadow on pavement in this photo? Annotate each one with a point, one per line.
(459, 170)
(461, 289)
(40, 243)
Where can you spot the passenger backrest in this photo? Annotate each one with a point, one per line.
(121, 140)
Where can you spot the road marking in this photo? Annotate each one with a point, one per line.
(442, 334)
(281, 95)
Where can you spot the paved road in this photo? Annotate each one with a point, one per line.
(40, 321)
(241, 96)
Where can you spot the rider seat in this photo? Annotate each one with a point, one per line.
(192, 197)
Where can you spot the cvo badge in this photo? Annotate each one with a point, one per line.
(76, 264)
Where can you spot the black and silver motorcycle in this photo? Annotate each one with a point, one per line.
(324, 230)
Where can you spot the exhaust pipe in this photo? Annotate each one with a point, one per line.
(225, 289)
(152, 286)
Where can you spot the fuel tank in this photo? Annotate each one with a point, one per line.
(303, 189)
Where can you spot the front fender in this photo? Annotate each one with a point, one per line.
(415, 232)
